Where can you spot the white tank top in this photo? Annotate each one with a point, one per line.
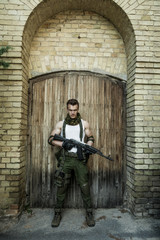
(73, 132)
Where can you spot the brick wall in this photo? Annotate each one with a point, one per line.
(78, 40)
(143, 167)
(137, 22)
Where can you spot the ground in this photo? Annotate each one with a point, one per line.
(111, 224)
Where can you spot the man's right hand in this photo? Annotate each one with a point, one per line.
(67, 145)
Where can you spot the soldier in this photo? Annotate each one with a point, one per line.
(73, 127)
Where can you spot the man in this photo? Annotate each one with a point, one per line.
(73, 127)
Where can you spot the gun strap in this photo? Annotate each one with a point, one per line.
(81, 130)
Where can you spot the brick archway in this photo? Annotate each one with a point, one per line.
(138, 24)
(108, 9)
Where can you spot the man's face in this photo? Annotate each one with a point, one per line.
(72, 110)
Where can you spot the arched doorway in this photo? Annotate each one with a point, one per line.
(102, 103)
(109, 9)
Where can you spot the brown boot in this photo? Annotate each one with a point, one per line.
(57, 218)
(90, 218)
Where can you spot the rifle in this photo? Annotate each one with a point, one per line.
(83, 146)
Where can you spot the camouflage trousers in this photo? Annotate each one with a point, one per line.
(73, 164)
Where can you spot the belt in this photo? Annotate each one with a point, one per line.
(70, 154)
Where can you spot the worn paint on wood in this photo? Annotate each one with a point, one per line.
(102, 104)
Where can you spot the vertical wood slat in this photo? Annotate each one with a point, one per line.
(102, 105)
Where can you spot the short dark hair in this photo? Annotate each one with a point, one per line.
(72, 102)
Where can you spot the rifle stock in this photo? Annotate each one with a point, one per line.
(84, 146)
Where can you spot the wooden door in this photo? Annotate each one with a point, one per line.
(102, 104)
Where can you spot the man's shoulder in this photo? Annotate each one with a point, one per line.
(60, 124)
(85, 123)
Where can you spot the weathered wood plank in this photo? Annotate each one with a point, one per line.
(102, 105)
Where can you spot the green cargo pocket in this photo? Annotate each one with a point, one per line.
(59, 178)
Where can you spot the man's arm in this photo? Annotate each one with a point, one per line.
(88, 134)
(57, 130)
(67, 145)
